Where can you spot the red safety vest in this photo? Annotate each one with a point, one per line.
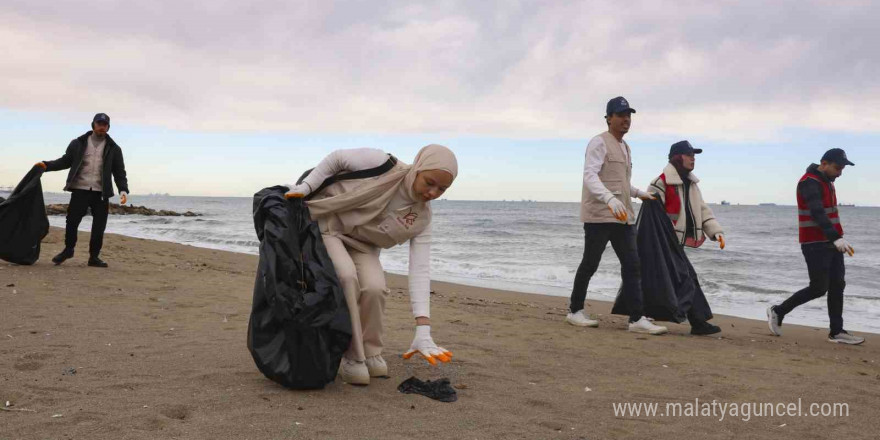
(810, 232)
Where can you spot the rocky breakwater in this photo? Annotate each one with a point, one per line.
(61, 209)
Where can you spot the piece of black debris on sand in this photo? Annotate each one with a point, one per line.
(438, 389)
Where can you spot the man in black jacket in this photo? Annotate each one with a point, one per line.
(823, 246)
(91, 158)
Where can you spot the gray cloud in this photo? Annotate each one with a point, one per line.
(726, 70)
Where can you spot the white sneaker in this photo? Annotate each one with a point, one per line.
(354, 372)
(377, 366)
(581, 319)
(773, 321)
(643, 325)
(845, 338)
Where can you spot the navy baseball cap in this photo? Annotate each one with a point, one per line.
(101, 117)
(683, 147)
(838, 156)
(618, 105)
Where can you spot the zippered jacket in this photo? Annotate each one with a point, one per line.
(670, 189)
(113, 164)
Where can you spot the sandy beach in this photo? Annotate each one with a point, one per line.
(154, 347)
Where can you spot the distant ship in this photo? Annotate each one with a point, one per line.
(851, 205)
(725, 203)
(766, 204)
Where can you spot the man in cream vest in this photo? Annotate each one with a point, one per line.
(608, 215)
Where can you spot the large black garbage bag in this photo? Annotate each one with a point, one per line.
(299, 325)
(669, 283)
(23, 220)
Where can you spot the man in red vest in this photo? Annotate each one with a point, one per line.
(823, 246)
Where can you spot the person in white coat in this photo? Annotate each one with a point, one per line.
(692, 219)
(360, 217)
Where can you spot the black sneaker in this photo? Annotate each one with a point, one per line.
(97, 262)
(61, 257)
(704, 328)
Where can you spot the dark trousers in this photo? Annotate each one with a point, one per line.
(827, 275)
(623, 240)
(80, 201)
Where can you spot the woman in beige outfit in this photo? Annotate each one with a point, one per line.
(358, 218)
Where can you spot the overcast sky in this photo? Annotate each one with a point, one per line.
(218, 98)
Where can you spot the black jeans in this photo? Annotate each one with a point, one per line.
(623, 240)
(827, 275)
(80, 201)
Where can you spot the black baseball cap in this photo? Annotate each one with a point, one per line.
(618, 105)
(683, 147)
(838, 156)
(101, 117)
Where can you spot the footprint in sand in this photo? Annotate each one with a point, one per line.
(28, 366)
(176, 412)
(37, 356)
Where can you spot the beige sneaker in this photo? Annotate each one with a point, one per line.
(377, 366)
(354, 372)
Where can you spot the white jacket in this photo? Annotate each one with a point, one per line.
(703, 219)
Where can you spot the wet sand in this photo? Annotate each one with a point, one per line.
(157, 343)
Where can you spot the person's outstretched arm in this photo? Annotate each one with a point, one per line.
(354, 159)
(420, 298)
(63, 162)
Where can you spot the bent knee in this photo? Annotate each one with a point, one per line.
(372, 290)
(818, 290)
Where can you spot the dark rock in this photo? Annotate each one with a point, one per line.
(61, 209)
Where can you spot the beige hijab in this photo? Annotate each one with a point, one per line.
(364, 203)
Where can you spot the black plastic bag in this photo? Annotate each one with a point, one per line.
(299, 325)
(669, 283)
(438, 389)
(23, 220)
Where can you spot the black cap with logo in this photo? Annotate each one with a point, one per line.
(838, 156)
(618, 105)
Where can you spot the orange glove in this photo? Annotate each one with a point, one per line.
(618, 209)
(123, 198)
(720, 239)
(41, 165)
(297, 191)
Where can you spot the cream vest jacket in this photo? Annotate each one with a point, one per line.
(616, 174)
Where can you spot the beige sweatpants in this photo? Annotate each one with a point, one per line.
(363, 282)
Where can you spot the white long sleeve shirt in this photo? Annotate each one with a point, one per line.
(419, 246)
(593, 161)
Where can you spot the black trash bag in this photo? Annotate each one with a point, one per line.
(670, 286)
(299, 325)
(23, 220)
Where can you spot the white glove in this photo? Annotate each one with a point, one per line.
(425, 346)
(644, 195)
(123, 198)
(298, 191)
(617, 209)
(844, 246)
